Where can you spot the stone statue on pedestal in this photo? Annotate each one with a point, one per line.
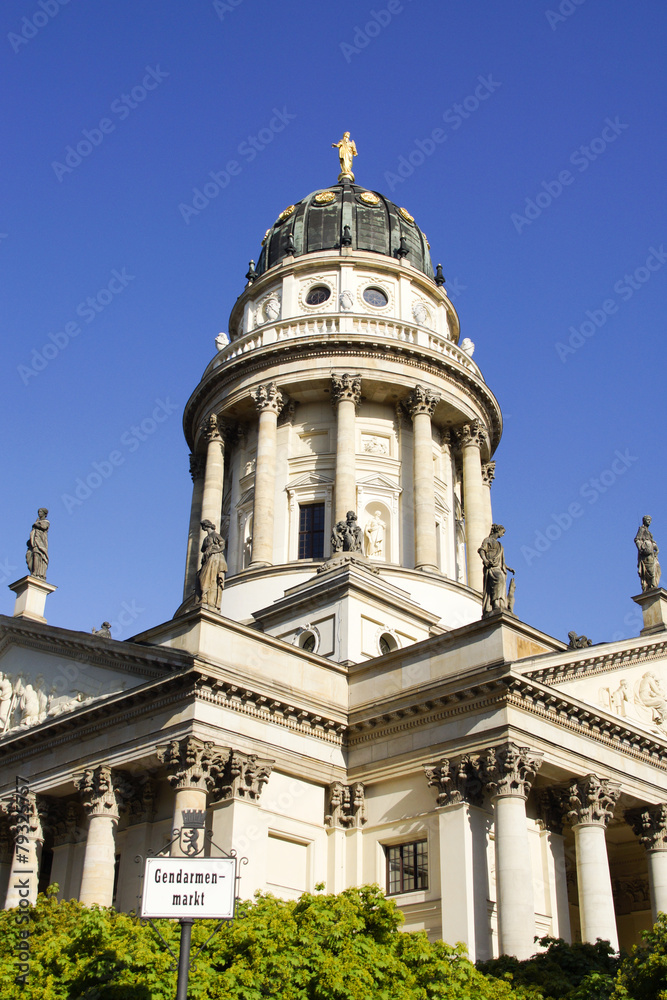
(374, 535)
(347, 536)
(211, 576)
(496, 597)
(648, 566)
(37, 556)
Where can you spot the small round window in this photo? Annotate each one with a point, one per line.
(375, 297)
(317, 295)
(308, 642)
(387, 643)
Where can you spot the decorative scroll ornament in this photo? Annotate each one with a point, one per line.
(421, 400)
(591, 800)
(286, 212)
(346, 386)
(649, 824)
(268, 397)
(103, 791)
(456, 780)
(324, 197)
(243, 777)
(369, 198)
(508, 769)
(406, 215)
(193, 763)
(346, 806)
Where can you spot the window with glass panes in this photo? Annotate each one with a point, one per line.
(311, 531)
(407, 867)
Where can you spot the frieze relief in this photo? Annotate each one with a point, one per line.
(28, 699)
(637, 695)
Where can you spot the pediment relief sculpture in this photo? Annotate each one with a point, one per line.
(26, 702)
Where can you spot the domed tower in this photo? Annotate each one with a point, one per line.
(341, 439)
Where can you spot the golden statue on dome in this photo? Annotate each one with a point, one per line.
(346, 151)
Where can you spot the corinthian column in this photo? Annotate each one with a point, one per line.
(102, 792)
(197, 469)
(488, 473)
(345, 396)
(591, 803)
(471, 437)
(194, 769)
(269, 402)
(211, 504)
(420, 405)
(26, 816)
(650, 825)
(508, 771)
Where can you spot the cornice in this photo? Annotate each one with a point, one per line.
(599, 662)
(110, 653)
(352, 346)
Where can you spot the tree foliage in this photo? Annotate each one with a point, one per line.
(562, 970)
(643, 974)
(319, 947)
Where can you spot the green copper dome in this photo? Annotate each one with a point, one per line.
(345, 214)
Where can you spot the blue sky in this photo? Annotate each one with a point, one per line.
(542, 197)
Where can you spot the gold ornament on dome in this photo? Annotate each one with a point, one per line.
(369, 198)
(285, 214)
(428, 245)
(265, 236)
(406, 215)
(324, 197)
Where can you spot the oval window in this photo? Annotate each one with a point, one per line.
(308, 642)
(317, 295)
(375, 297)
(387, 643)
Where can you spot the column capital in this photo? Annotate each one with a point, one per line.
(590, 801)
(488, 472)
(192, 763)
(420, 400)
(103, 791)
(471, 435)
(345, 805)
(242, 777)
(508, 769)
(64, 822)
(345, 386)
(197, 466)
(649, 824)
(26, 815)
(456, 780)
(141, 807)
(268, 397)
(210, 429)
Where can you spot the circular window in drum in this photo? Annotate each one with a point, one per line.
(317, 295)
(375, 297)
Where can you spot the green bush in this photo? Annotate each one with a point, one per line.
(643, 974)
(573, 971)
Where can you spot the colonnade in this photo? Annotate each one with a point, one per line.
(506, 773)
(201, 774)
(207, 470)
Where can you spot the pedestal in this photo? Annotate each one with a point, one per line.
(654, 610)
(31, 594)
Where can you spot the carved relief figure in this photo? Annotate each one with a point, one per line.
(492, 555)
(210, 578)
(376, 446)
(620, 699)
(346, 300)
(651, 695)
(420, 313)
(374, 533)
(37, 556)
(6, 699)
(648, 566)
(272, 308)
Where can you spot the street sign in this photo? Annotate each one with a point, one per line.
(187, 888)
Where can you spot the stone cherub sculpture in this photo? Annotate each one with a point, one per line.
(211, 576)
(347, 535)
(648, 566)
(492, 554)
(37, 556)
